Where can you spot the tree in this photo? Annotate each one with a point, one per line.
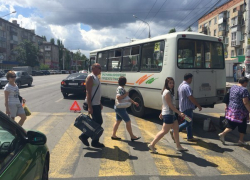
(61, 47)
(172, 31)
(44, 38)
(189, 29)
(27, 54)
(44, 67)
(52, 41)
(67, 60)
(79, 56)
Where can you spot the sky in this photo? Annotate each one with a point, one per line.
(92, 24)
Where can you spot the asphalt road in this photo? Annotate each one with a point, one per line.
(207, 158)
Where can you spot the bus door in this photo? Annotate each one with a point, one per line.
(204, 83)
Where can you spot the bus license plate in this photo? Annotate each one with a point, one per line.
(73, 84)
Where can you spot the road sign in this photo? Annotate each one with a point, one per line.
(75, 107)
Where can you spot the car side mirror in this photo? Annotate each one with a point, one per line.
(36, 138)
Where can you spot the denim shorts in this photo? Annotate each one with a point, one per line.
(121, 114)
(169, 119)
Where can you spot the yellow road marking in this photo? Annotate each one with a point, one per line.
(65, 154)
(115, 156)
(227, 165)
(47, 125)
(164, 161)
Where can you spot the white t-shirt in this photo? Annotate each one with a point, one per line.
(14, 92)
(165, 108)
(97, 98)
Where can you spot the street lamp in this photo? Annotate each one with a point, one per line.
(149, 36)
(9, 14)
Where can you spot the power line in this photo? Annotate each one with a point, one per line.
(204, 13)
(188, 14)
(145, 17)
(155, 14)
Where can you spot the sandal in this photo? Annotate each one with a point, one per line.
(182, 149)
(152, 149)
(135, 139)
(116, 138)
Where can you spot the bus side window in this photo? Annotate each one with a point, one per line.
(131, 59)
(152, 56)
(114, 62)
(102, 58)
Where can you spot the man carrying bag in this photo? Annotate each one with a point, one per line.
(93, 101)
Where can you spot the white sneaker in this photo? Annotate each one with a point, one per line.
(152, 149)
(222, 138)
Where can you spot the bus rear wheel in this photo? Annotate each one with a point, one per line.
(140, 110)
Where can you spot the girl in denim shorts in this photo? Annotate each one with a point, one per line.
(168, 116)
(121, 113)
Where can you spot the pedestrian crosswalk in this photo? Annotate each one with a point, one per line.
(70, 159)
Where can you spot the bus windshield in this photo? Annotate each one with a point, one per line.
(199, 54)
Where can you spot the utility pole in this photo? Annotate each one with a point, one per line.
(247, 41)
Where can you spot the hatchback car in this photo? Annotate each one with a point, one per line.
(22, 78)
(74, 84)
(23, 155)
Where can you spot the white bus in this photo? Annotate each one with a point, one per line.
(146, 64)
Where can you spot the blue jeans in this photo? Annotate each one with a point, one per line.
(186, 124)
(121, 114)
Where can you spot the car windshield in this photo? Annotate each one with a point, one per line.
(77, 76)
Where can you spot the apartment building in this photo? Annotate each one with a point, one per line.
(11, 34)
(51, 55)
(227, 22)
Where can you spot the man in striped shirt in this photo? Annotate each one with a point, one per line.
(187, 104)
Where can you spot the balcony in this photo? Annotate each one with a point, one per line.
(13, 42)
(237, 13)
(235, 27)
(222, 33)
(3, 39)
(235, 43)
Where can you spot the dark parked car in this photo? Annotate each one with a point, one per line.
(74, 84)
(45, 72)
(37, 73)
(22, 78)
(24, 155)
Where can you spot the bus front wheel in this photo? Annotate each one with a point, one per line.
(140, 110)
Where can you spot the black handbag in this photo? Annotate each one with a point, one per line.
(223, 123)
(20, 98)
(226, 98)
(85, 104)
(88, 126)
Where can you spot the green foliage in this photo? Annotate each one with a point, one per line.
(189, 29)
(79, 56)
(44, 67)
(52, 41)
(60, 47)
(27, 54)
(44, 38)
(172, 30)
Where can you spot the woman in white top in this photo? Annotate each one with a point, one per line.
(12, 102)
(168, 116)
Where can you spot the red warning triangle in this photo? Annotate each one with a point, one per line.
(75, 107)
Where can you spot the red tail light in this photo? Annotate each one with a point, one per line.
(63, 83)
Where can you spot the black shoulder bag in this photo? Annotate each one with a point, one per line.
(85, 104)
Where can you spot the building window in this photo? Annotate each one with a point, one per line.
(200, 26)
(242, 36)
(233, 38)
(227, 28)
(228, 14)
(215, 20)
(215, 32)
(226, 40)
(234, 21)
(240, 52)
(234, 10)
(209, 23)
(232, 53)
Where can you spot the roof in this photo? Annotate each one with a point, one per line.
(161, 37)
